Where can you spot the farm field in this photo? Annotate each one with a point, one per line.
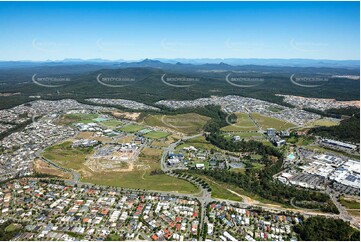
(269, 122)
(189, 123)
(243, 123)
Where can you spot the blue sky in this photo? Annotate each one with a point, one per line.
(138, 30)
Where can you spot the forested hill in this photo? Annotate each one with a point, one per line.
(148, 87)
(348, 130)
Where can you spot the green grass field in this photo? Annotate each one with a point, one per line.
(189, 123)
(111, 123)
(256, 157)
(156, 135)
(139, 178)
(219, 189)
(275, 109)
(269, 122)
(301, 140)
(12, 227)
(77, 118)
(131, 128)
(349, 203)
(243, 123)
(322, 122)
(66, 156)
(199, 142)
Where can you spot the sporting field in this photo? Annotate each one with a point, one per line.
(190, 123)
(156, 135)
(131, 128)
(269, 122)
(243, 123)
(111, 123)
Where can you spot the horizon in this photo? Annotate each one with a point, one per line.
(171, 59)
(179, 30)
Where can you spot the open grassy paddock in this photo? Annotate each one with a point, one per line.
(199, 142)
(138, 178)
(219, 189)
(322, 122)
(165, 142)
(243, 123)
(66, 156)
(349, 203)
(131, 128)
(77, 118)
(189, 123)
(141, 177)
(269, 122)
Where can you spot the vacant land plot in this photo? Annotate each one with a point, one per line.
(126, 115)
(126, 139)
(166, 142)
(220, 189)
(67, 156)
(243, 123)
(156, 135)
(301, 140)
(131, 128)
(77, 118)
(350, 203)
(42, 167)
(152, 152)
(269, 122)
(322, 122)
(140, 177)
(199, 142)
(190, 123)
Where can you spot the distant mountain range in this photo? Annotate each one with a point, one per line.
(162, 63)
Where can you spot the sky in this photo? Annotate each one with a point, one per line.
(138, 30)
